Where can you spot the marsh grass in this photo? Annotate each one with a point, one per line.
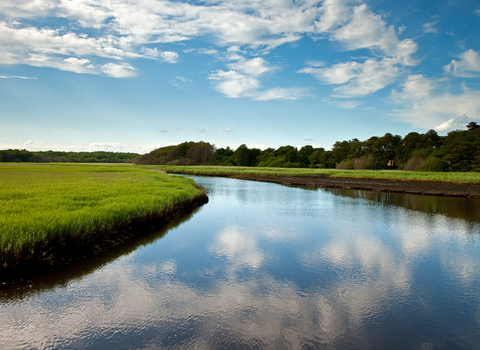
(366, 174)
(68, 205)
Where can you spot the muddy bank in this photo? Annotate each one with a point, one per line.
(65, 249)
(432, 188)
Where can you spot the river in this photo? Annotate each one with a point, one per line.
(265, 266)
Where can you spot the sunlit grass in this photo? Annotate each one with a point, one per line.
(42, 203)
(368, 174)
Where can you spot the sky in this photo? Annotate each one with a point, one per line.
(135, 75)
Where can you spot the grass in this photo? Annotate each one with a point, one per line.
(42, 205)
(367, 174)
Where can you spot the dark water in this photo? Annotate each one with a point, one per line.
(263, 266)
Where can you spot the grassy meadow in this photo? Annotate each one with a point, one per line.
(41, 204)
(366, 174)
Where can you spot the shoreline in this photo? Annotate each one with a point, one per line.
(420, 187)
(66, 249)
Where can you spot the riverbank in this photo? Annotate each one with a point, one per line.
(55, 214)
(410, 183)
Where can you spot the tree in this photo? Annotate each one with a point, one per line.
(326, 160)
(314, 158)
(431, 139)
(304, 153)
(385, 148)
(410, 143)
(340, 151)
(472, 126)
(245, 156)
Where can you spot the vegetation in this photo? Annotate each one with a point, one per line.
(459, 151)
(22, 155)
(366, 174)
(66, 206)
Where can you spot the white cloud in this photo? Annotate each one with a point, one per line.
(236, 85)
(454, 124)
(467, 67)
(185, 80)
(44, 47)
(228, 129)
(208, 51)
(233, 84)
(430, 27)
(416, 87)
(127, 30)
(19, 41)
(169, 56)
(133, 29)
(360, 28)
(280, 93)
(357, 79)
(365, 30)
(16, 77)
(254, 66)
(201, 130)
(242, 80)
(123, 70)
(423, 106)
(346, 104)
(333, 13)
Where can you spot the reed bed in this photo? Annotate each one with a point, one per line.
(366, 174)
(42, 205)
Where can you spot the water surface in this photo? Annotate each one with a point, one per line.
(264, 266)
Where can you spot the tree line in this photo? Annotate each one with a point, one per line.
(457, 151)
(22, 155)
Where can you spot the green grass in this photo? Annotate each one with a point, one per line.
(368, 174)
(44, 203)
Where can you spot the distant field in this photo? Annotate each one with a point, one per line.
(41, 204)
(368, 174)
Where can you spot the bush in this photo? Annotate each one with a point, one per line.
(413, 163)
(345, 165)
(432, 163)
(368, 162)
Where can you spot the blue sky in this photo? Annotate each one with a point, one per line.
(125, 75)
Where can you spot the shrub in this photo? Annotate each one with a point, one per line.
(345, 164)
(368, 162)
(413, 163)
(432, 163)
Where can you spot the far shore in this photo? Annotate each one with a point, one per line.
(394, 185)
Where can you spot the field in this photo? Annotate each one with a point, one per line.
(366, 174)
(63, 205)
